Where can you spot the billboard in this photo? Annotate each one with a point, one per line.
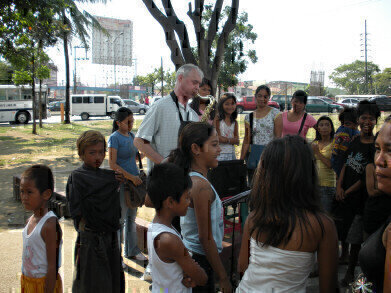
(115, 47)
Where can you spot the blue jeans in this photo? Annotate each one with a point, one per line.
(327, 195)
(128, 228)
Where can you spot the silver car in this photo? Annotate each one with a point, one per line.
(136, 107)
(349, 102)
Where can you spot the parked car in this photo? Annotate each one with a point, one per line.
(280, 100)
(136, 107)
(349, 102)
(154, 99)
(331, 101)
(318, 105)
(248, 103)
(56, 106)
(384, 104)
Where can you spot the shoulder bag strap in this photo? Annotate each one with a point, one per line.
(138, 156)
(140, 164)
(302, 123)
(251, 118)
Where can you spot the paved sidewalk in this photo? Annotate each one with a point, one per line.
(11, 261)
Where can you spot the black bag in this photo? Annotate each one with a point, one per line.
(135, 195)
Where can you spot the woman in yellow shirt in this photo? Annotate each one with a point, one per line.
(322, 147)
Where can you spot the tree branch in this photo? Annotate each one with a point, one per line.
(176, 54)
(214, 22)
(227, 29)
(196, 16)
(181, 32)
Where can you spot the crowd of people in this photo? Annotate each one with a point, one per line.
(305, 197)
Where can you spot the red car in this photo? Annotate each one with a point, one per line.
(248, 103)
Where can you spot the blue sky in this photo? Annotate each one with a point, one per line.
(294, 37)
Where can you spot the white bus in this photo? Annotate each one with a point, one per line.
(89, 105)
(16, 104)
(357, 97)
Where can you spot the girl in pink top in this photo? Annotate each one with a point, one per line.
(292, 120)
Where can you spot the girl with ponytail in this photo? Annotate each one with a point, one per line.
(202, 227)
(122, 158)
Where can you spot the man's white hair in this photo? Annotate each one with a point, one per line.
(187, 68)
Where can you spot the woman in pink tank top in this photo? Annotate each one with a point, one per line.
(292, 121)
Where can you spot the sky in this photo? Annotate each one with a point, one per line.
(294, 37)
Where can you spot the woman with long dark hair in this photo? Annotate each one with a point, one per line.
(322, 147)
(202, 227)
(287, 225)
(227, 127)
(375, 253)
(261, 127)
(122, 158)
(296, 121)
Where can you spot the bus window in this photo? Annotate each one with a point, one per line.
(86, 100)
(99, 100)
(3, 94)
(13, 94)
(77, 100)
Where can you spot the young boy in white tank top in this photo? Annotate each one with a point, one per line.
(42, 234)
(173, 269)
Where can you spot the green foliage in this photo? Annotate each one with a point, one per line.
(351, 77)
(20, 77)
(236, 58)
(382, 82)
(6, 71)
(153, 80)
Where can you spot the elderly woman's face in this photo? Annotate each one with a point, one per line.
(383, 159)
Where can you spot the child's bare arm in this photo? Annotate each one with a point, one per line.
(246, 141)
(114, 166)
(51, 236)
(170, 247)
(235, 140)
(328, 257)
(355, 187)
(201, 195)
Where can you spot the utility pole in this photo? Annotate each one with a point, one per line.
(365, 49)
(74, 72)
(366, 58)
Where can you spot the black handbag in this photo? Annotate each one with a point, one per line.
(135, 195)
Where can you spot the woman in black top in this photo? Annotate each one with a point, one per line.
(372, 256)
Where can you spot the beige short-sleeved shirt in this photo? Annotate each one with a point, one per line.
(161, 125)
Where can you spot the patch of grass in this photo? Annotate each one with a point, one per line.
(7, 138)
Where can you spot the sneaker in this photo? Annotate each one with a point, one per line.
(139, 257)
(147, 277)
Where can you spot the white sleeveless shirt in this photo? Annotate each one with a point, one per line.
(166, 277)
(274, 270)
(34, 259)
(227, 131)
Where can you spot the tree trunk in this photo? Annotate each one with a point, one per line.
(40, 103)
(67, 85)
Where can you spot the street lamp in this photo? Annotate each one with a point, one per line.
(115, 71)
